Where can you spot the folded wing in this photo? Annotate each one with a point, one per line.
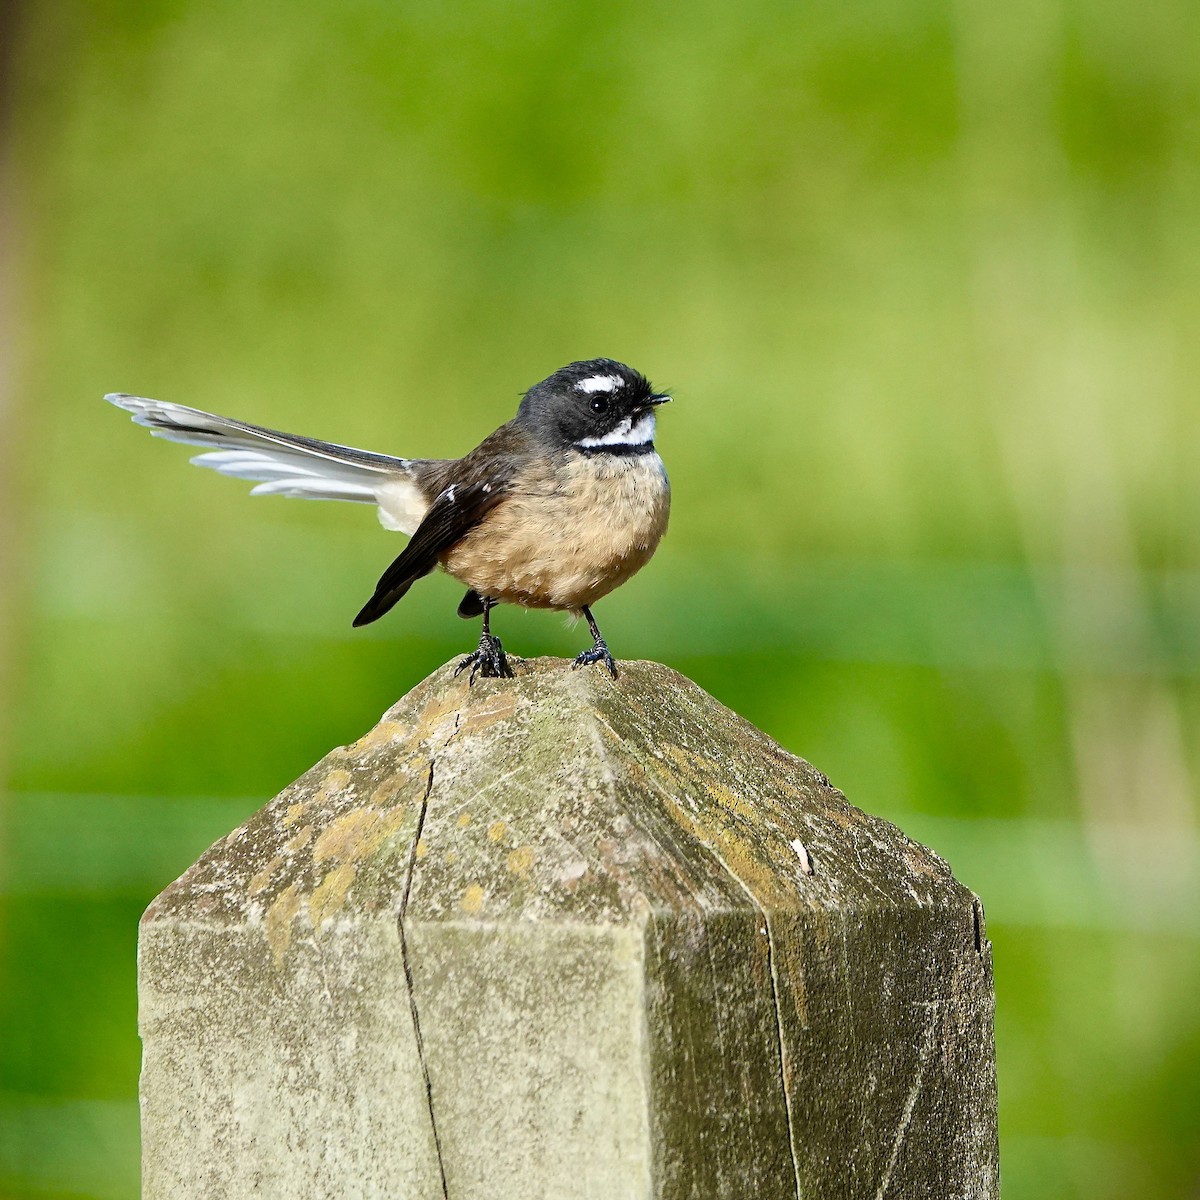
(456, 510)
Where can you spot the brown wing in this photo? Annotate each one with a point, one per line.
(465, 491)
(455, 511)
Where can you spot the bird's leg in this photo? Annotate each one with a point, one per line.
(489, 660)
(599, 651)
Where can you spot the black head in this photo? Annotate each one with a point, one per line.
(598, 406)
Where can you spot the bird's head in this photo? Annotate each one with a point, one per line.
(595, 406)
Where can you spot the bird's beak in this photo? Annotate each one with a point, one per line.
(659, 399)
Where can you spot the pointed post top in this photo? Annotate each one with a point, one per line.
(559, 794)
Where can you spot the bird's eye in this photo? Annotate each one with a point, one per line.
(599, 404)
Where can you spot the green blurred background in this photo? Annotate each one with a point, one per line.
(924, 280)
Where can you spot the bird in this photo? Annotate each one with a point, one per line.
(555, 509)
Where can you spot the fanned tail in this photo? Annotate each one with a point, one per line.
(285, 464)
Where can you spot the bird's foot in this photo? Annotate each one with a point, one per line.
(489, 661)
(597, 654)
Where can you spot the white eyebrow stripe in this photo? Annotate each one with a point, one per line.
(625, 434)
(600, 383)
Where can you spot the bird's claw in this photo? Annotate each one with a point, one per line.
(489, 661)
(598, 653)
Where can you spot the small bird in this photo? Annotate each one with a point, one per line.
(554, 510)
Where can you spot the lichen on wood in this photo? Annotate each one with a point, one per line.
(553, 936)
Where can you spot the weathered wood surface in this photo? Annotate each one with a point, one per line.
(563, 937)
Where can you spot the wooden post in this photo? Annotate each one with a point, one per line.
(559, 937)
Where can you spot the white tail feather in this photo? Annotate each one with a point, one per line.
(349, 482)
(283, 464)
(313, 488)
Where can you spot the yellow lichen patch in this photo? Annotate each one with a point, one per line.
(336, 782)
(391, 822)
(294, 813)
(342, 836)
(752, 867)
(745, 861)
(329, 895)
(451, 856)
(421, 849)
(299, 840)
(263, 877)
(496, 830)
(464, 819)
(685, 759)
(382, 735)
(279, 921)
(677, 770)
(492, 709)
(520, 860)
(472, 901)
(386, 793)
(729, 800)
(358, 833)
(437, 716)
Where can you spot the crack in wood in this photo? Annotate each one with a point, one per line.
(408, 976)
(787, 1099)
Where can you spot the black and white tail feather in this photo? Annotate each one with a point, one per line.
(284, 464)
